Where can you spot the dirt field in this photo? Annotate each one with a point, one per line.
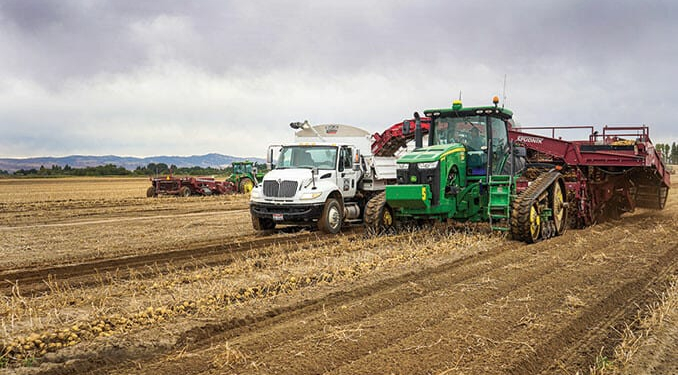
(98, 279)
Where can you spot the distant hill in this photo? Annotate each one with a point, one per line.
(130, 163)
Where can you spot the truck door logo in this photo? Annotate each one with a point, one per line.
(347, 184)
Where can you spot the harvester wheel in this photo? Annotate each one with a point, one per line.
(185, 191)
(558, 208)
(150, 192)
(651, 196)
(331, 219)
(663, 193)
(378, 214)
(262, 223)
(245, 186)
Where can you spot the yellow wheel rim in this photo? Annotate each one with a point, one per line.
(388, 218)
(535, 222)
(247, 186)
(558, 211)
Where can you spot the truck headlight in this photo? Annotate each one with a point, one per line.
(254, 194)
(431, 165)
(402, 166)
(313, 195)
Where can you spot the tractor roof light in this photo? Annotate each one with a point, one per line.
(495, 100)
(456, 105)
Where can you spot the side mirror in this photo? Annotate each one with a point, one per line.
(356, 161)
(407, 128)
(520, 151)
(270, 155)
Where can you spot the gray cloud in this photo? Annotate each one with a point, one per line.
(119, 76)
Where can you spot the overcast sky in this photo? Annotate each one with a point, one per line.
(142, 78)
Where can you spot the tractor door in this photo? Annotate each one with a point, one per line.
(500, 146)
(347, 176)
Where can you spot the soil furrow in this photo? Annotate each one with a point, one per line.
(84, 274)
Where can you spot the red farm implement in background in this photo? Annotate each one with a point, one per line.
(187, 186)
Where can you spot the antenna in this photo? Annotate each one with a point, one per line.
(459, 95)
(503, 99)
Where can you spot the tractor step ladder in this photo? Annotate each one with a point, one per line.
(499, 205)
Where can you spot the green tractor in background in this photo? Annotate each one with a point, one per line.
(468, 173)
(245, 176)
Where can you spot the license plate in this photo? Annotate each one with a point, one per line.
(278, 217)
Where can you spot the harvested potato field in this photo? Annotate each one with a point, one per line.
(98, 279)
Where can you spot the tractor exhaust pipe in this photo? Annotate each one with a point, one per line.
(418, 137)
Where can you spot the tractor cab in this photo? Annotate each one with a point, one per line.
(242, 167)
(482, 131)
(467, 155)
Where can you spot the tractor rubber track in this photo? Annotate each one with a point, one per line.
(89, 273)
(520, 211)
(499, 319)
(373, 210)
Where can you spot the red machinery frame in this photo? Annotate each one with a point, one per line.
(606, 174)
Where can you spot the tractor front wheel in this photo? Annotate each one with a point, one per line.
(185, 191)
(331, 219)
(151, 193)
(245, 186)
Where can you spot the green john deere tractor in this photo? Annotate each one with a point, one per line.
(245, 176)
(468, 173)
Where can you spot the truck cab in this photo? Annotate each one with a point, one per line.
(312, 183)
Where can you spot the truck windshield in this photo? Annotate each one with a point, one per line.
(322, 157)
(471, 131)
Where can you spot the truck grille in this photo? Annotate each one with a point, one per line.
(284, 189)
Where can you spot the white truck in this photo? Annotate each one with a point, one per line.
(327, 176)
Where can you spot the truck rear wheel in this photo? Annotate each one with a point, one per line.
(331, 219)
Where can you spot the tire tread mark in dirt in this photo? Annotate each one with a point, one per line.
(86, 273)
(206, 336)
(584, 331)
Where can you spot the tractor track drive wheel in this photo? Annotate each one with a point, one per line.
(526, 217)
(332, 218)
(378, 214)
(558, 208)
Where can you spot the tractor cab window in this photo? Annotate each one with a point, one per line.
(242, 168)
(500, 147)
(321, 157)
(470, 131)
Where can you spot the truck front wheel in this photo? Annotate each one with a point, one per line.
(330, 221)
(262, 223)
